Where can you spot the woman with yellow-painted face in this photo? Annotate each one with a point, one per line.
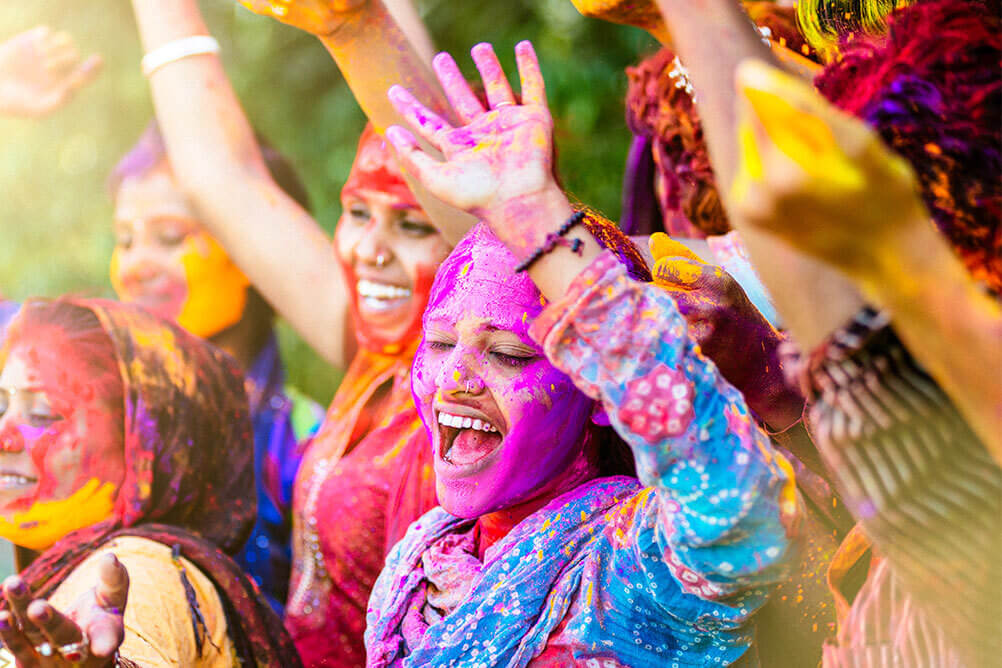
(131, 511)
(167, 262)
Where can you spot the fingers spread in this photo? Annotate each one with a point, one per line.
(427, 123)
(112, 589)
(457, 89)
(531, 79)
(495, 81)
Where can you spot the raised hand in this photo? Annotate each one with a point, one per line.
(644, 14)
(821, 180)
(317, 17)
(499, 162)
(40, 70)
(89, 634)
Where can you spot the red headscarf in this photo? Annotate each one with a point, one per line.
(189, 469)
(375, 169)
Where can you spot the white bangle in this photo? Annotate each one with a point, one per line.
(195, 45)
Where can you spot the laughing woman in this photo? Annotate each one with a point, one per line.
(540, 552)
(123, 435)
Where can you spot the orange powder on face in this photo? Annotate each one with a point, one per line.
(45, 522)
(217, 289)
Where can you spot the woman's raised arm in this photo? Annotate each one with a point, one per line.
(217, 161)
(376, 45)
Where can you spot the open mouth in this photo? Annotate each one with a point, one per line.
(381, 296)
(466, 440)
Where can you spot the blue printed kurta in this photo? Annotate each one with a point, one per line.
(667, 571)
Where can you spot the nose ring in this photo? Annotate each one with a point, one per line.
(380, 260)
(469, 387)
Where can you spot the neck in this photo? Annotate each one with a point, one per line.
(243, 341)
(492, 527)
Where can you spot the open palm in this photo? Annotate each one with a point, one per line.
(40, 70)
(501, 153)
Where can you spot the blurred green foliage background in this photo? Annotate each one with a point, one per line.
(55, 213)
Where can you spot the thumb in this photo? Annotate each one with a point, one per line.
(112, 590)
(418, 164)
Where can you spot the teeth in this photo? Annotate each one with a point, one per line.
(373, 290)
(460, 422)
(10, 480)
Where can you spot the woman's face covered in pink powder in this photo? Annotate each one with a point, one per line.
(503, 421)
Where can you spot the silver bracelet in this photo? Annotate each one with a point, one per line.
(195, 45)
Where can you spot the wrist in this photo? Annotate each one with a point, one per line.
(885, 260)
(524, 222)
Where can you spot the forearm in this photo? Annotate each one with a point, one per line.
(407, 17)
(216, 159)
(723, 494)
(947, 324)
(711, 39)
(374, 51)
(911, 469)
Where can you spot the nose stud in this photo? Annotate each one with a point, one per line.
(380, 260)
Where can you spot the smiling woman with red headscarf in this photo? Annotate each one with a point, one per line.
(122, 434)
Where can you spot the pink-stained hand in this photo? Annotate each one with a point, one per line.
(317, 17)
(40, 70)
(86, 635)
(501, 158)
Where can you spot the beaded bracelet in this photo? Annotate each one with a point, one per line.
(555, 239)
